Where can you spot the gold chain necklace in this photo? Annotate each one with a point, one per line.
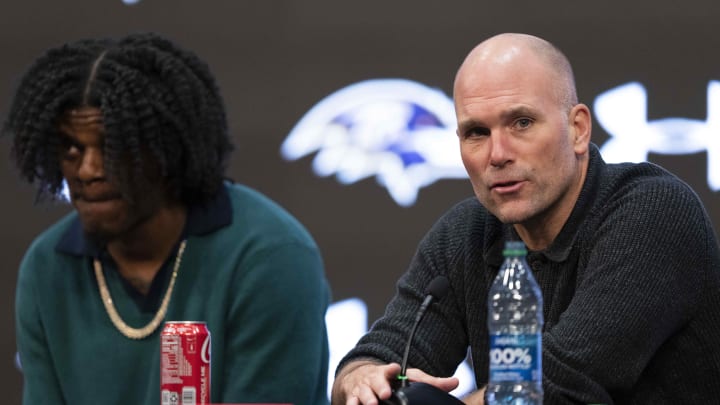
(146, 330)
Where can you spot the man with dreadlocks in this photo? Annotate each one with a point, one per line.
(136, 129)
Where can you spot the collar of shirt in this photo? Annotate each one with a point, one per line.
(559, 250)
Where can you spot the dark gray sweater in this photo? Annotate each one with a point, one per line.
(631, 290)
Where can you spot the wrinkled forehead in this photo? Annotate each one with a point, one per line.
(81, 118)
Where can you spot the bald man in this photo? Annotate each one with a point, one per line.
(625, 254)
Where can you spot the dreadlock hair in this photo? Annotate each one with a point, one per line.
(159, 103)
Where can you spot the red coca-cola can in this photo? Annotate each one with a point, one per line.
(185, 363)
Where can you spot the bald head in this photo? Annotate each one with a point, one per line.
(524, 139)
(522, 54)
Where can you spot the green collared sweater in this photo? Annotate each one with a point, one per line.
(256, 280)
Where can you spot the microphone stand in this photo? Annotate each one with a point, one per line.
(418, 393)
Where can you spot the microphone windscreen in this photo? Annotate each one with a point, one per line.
(438, 287)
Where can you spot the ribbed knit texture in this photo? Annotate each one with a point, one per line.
(631, 290)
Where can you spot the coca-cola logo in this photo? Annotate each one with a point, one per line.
(205, 351)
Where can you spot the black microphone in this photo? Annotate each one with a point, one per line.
(437, 289)
(418, 393)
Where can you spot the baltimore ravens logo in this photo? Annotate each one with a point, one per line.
(397, 130)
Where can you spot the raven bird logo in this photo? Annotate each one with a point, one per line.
(400, 131)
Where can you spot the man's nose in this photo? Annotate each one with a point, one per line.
(92, 165)
(499, 149)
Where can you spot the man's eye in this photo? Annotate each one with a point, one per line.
(69, 149)
(477, 131)
(523, 123)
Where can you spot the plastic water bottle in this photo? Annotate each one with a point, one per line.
(515, 319)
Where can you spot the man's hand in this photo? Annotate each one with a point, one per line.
(446, 384)
(365, 381)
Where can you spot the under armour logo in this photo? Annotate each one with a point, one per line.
(622, 111)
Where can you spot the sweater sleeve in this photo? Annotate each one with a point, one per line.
(281, 356)
(440, 342)
(640, 285)
(41, 385)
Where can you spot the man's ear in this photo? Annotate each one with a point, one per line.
(580, 123)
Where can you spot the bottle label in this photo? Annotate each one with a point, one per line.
(515, 357)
